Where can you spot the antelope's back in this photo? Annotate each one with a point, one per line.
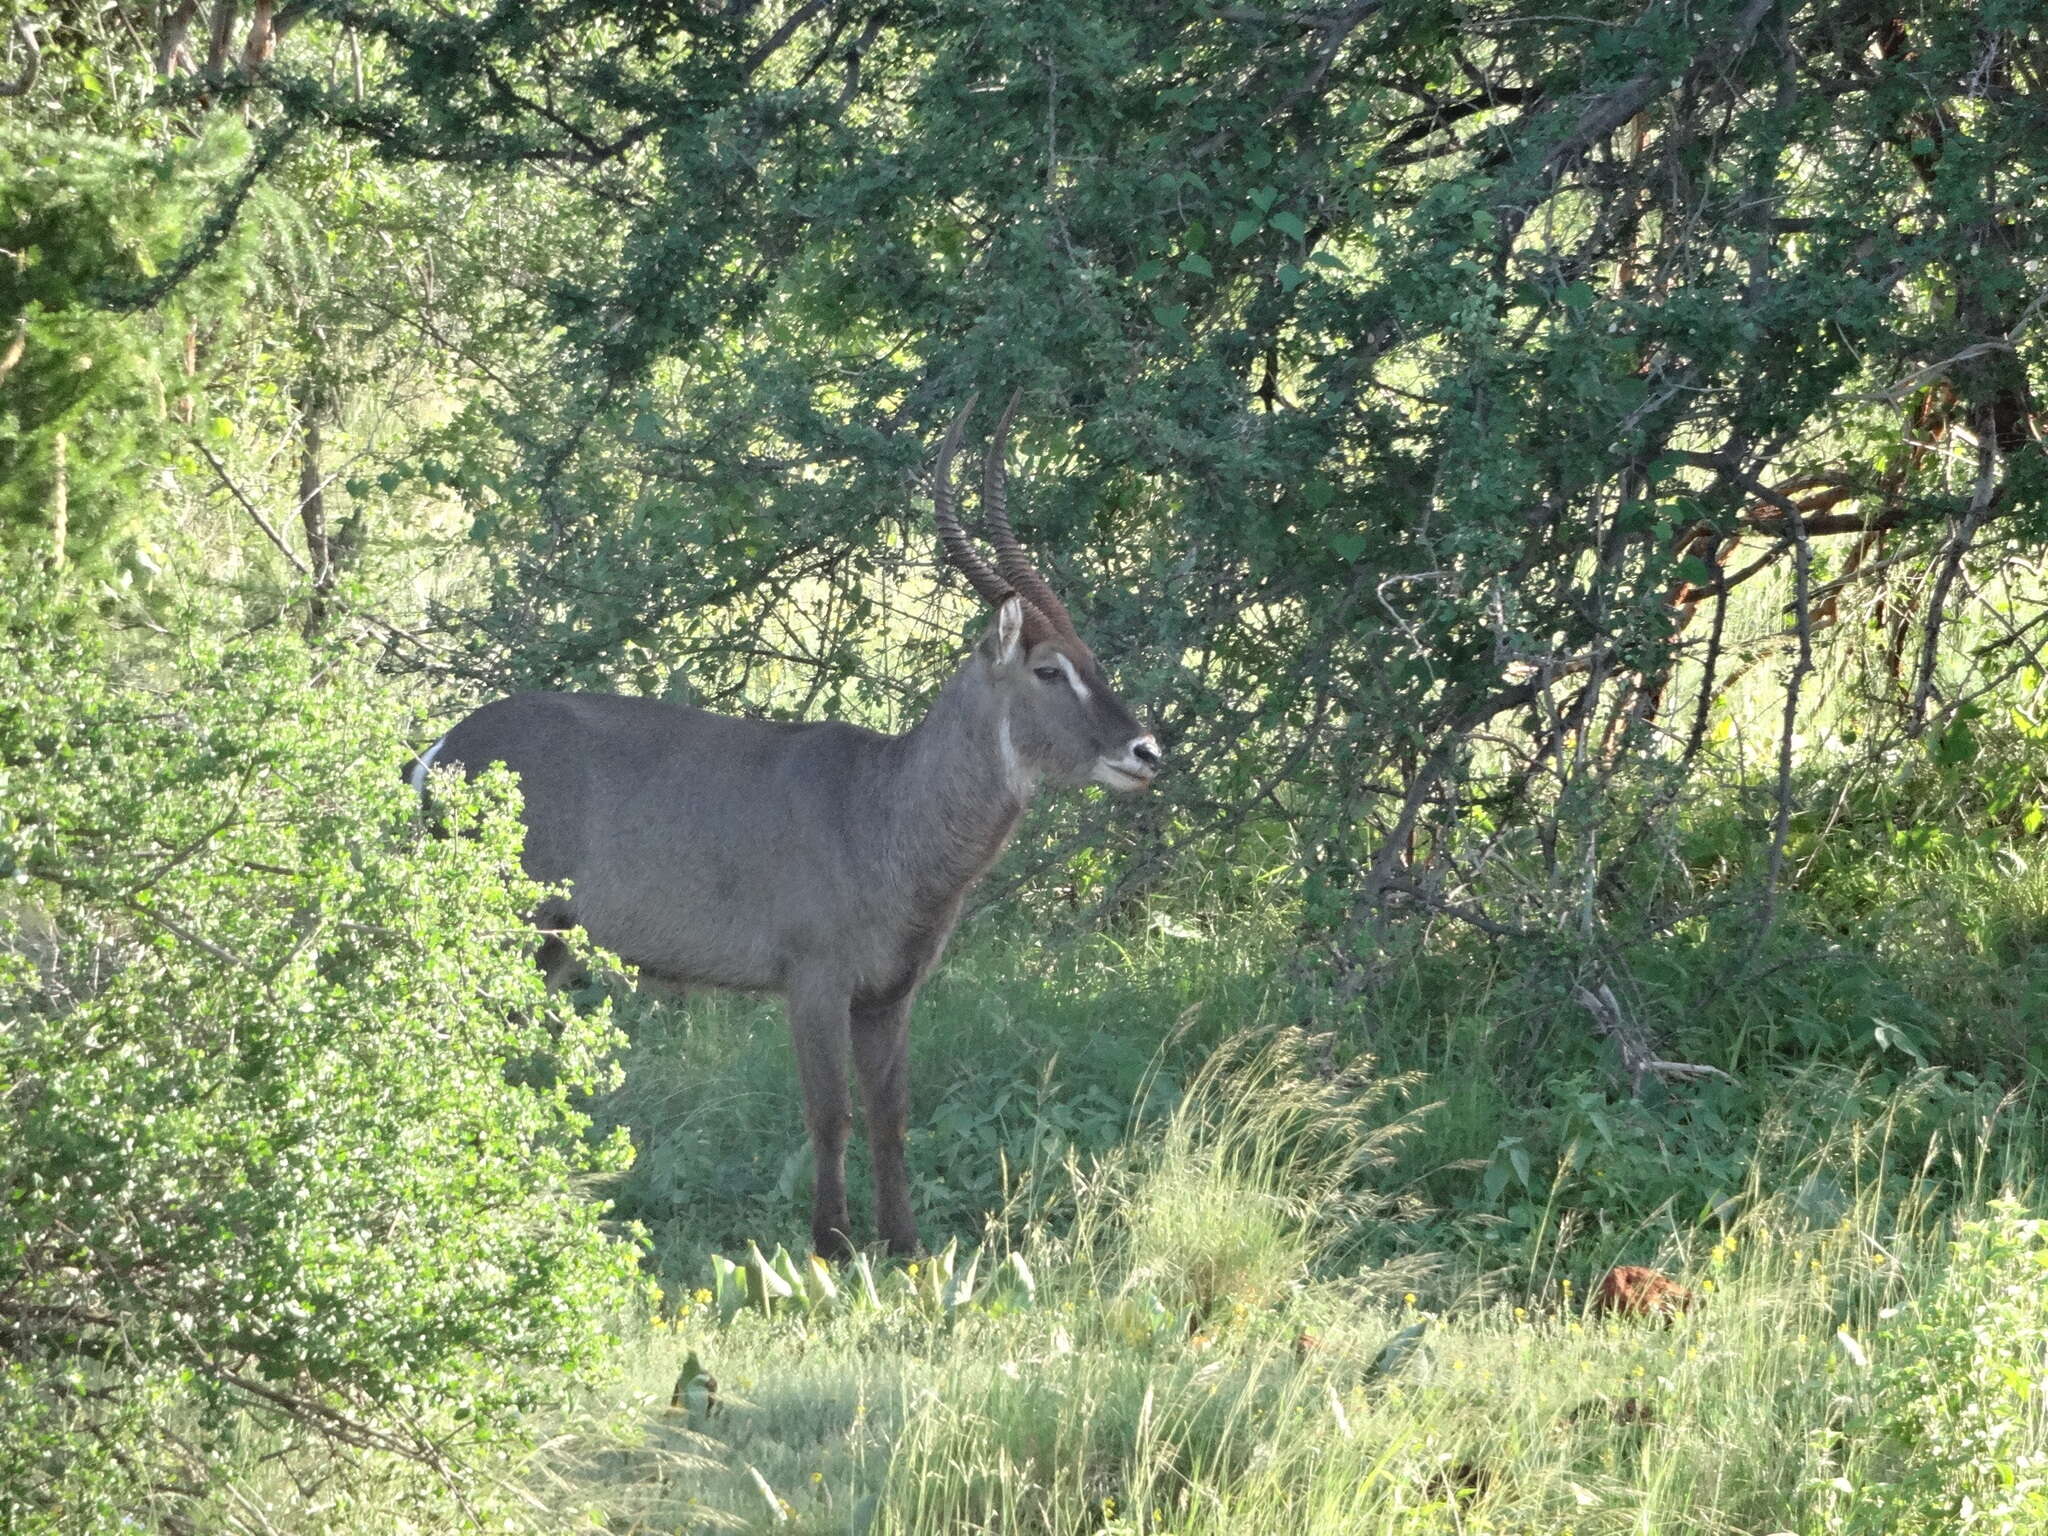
(696, 845)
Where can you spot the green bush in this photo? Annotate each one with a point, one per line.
(1952, 1432)
(263, 1160)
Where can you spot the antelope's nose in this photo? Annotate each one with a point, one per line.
(1145, 754)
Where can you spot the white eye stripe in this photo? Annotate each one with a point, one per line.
(1073, 678)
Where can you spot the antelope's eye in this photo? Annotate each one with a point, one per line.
(1046, 674)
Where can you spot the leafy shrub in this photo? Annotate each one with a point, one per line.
(1953, 1428)
(261, 1150)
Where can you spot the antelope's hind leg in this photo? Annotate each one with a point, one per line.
(557, 961)
(881, 1055)
(818, 1028)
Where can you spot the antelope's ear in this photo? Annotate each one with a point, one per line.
(1002, 643)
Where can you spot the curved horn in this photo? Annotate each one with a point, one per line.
(20, 84)
(960, 553)
(1015, 565)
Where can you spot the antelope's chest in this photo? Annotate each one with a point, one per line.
(899, 961)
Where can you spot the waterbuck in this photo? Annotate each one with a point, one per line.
(821, 861)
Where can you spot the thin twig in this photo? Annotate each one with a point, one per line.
(254, 511)
(1781, 825)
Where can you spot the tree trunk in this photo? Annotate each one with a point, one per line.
(313, 507)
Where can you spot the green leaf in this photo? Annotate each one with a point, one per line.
(764, 1286)
(819, 1285)
(960, 1284)
(864, 1272)
(728, 1287)
(1289, 223)
(1150, 270)
(1290, 277)
(1246, 226)
(1263, 198)
(778, 1513)
(1955, 746)
(1348, 546)
(1015, 1279)
(1396, 1354)
(787, 1272)
(1198, 265)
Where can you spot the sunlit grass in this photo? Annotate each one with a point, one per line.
(1188, 1366)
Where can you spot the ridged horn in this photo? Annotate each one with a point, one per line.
(959, 551)
(1015, 565)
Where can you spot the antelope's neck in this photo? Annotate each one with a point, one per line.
(961, 790)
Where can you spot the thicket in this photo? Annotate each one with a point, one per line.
(264, 1163)
(1456, 427)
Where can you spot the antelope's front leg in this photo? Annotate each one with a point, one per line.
(881, 1055)
(818, 1026)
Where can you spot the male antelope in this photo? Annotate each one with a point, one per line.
(821, 861)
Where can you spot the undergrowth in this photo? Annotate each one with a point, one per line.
(1866, 1353)
(1541, 1151)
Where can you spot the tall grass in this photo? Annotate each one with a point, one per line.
(1868, 1351)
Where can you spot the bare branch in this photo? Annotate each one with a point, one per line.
(254, 511)
(1896, 393)
(1638, 1059)
(781, 35)
(1781, 825)
(1958, 545)
(15, 347)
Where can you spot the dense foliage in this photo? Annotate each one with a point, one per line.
(260, 1146)
(95, 391)
(1409, 390)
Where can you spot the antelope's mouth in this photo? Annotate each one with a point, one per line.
(1121, 778)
